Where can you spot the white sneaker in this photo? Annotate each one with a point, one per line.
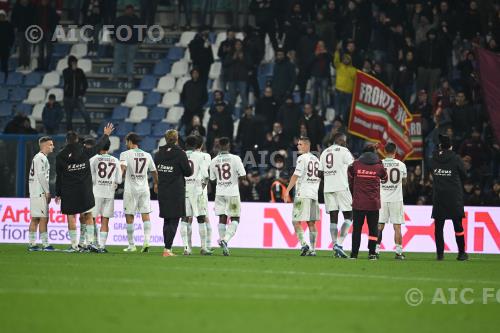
(130, 248)
(187, 251)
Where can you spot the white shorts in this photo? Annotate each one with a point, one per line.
(305, 210)
(136, 203)
(226, 205)
(196, 205)
(39, 206)
(341, 200)
(104, 207)
(392, 212)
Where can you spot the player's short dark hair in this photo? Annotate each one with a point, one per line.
(133, 137)
(199, 143)
(390, 148)
(89, 142)
(106, 145)
(224, 142)
(191, 142)
(338, 136)
(72, 137)
(52, 97)
(369, 148)
(305, 139)
(444, 142)
(44, 139)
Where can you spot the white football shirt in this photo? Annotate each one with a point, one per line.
(334, 162)
(138, 164)
(208, 161)
(307, 169)
(200, 167)
(106, 175)
(39, 175)
(227, 169)
(392, 189)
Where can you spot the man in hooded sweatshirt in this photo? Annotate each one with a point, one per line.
(365, 175)
(447, 201)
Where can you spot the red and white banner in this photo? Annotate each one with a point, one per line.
(268, 225)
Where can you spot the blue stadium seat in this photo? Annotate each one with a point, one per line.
(15, 79)
(2, 77)
(175, 53)
(33, 79)
(143, 129)
(5, 109)
(4, 94)
(157, 114)
(153, 98)
(120, 113)
(18, 94)
(124, 128)
(61, 50)
(162, 68)
(148, 82)
(148, 144)
(160, 129)
(13, 63)
(25, 109)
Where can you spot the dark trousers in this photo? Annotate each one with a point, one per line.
(169, 230)
(253, 83)
(302, 79)
(72, 104)
(45, 47)
(459, 235)
(4, 63)
(148, 11)
(358, 221)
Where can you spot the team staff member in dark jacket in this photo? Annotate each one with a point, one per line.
(74, 183)
(75, 87)
(172, 165)
(365, 175)
(447, 200)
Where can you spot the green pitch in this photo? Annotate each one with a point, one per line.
(251, 291)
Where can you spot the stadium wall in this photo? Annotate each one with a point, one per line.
(268, 226)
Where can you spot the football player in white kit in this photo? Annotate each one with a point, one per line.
(40, 195)
(391, 197)
(227, 169)
(136, 164)
(106, 176)
(196, 205)
(334, 162)
(208, 160)
(305, 204)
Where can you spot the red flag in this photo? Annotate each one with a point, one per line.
(379, 115)
(489, 72)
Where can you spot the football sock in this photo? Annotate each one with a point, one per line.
(312, 239)
(147, 232)
(89, 234)
(379, 237)
(399, 249)
(45, 239)
(32, 238)
(82, 234)
(344, 231)
(231, 231)
(184, 234)
(202, 228)
(73, 237)
(130, 234)
(334, 232)
(104, 238)
(377, 248)
(190, 234)
(222, 231)
(209, 234)
(300, 236)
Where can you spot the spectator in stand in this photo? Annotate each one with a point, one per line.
(404, 82)
(284, 76)
(352, 51)
(380, 74)
(239, 7)
(293, 27)
(187, 6)
(226, 48)
(193, 96)
(493, 197)
(423, 108)
(93, 16)
(23, 16)
(252, 189)
(247, 129)
(338, 127)
(148, 11)
(279, 140)
(220, 125)
(477, 197)
(463, 116)
(445, 93)
(218, 98)
(305, 56)
(430, 63)
(126, 44)
(208, 8)
(326, 31)
(344, 85)
(265, 20)
(7, 37)
(476, 149)
(368, 67)
(52, 115)
(47, 19)
(20, 124)
(196, 128)
(314, 126)
(201, 53)
(470, 26)
(278, 188)
(289, 116)
(109, 11)
(320, 77)
(266, 109)
(254, 47)
(237, 65)
(75, 87)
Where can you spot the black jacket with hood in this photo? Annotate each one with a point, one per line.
(75, 81)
